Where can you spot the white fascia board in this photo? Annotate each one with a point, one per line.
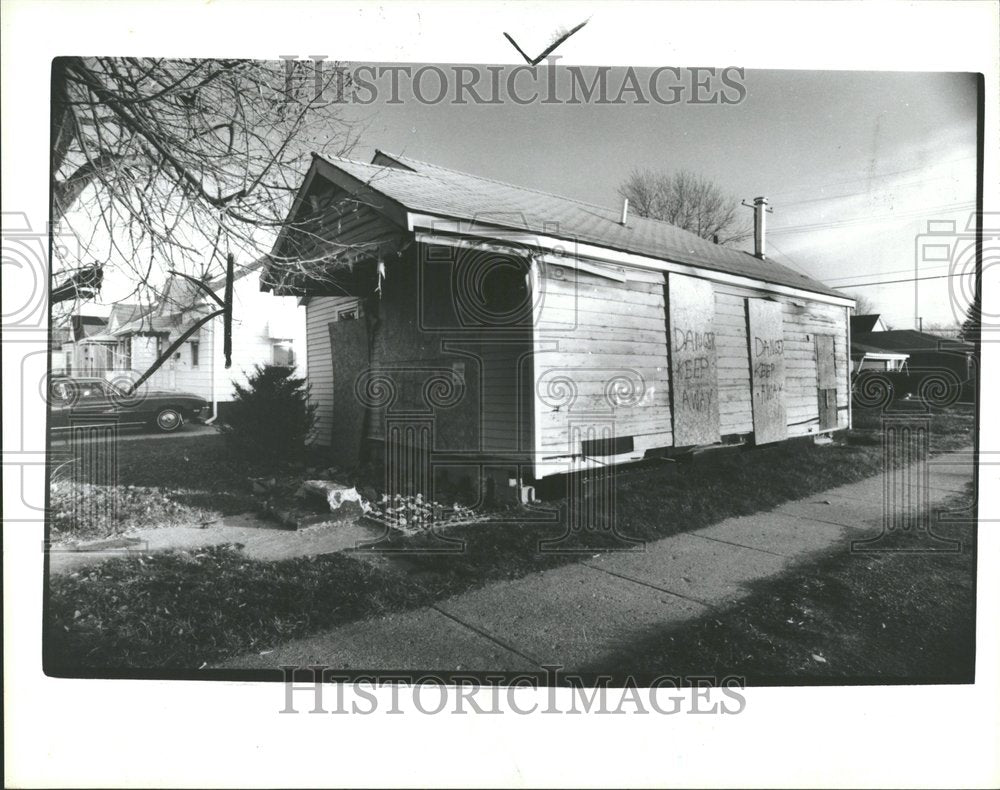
(561, 247)
(884, 356)
(610, 273)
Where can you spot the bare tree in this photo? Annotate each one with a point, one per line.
(863, 305)
(688, 201)
(171, 164)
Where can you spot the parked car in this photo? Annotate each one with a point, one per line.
(926, 386)
(94, 401)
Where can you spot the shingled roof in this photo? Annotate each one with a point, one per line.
(910, 340)
(440, 191)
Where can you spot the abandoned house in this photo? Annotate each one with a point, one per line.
(469, 322)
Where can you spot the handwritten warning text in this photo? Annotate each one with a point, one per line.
(694, 375)
(767, 369)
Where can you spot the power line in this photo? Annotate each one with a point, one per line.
(790, 260)
(866, 193)
(913, 214)
(833, 280)
(908, 280)
(868, 177)
(880, 274)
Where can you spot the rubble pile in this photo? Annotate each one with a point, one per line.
(342, 500)
(412, 515)
(298, 503)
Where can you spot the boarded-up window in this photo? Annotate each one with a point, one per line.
(349, 349)
(694, 376)
(767, 370)
(826, 382)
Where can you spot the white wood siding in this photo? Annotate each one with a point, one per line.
(589, 327)
(186, 377)
(255, 312)
(735, 413)
(802, 321)
(591, 332)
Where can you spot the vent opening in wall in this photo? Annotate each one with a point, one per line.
(613, 446)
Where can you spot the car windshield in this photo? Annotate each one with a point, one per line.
(69, 388)
(115, 389)
(92, 389)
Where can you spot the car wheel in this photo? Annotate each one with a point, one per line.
(169, 420)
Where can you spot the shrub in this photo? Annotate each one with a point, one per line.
(270, 417)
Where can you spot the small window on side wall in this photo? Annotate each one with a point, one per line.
(282, 354)
(194, 353)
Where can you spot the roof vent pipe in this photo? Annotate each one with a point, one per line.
(624, 218)
(760, 209)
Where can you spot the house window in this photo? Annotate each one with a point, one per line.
(282, 354)
(194, 353)
(349, 313)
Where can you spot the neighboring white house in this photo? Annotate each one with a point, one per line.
(267, 330)
(74, 353)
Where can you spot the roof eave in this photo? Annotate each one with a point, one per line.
(417, 220)
(393, 210)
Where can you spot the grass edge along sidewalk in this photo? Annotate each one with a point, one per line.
(188, 609)
(616, 612)
(888, 617)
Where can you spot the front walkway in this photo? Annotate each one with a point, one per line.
(585, 613)
(262, 539)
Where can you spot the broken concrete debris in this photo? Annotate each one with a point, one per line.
(344, 501)
(412, 515)
(304, 503)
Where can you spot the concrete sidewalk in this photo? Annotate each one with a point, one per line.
(262, 539)
(130, 433)
(584, 613)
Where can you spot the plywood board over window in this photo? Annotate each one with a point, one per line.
(767, 370)
(694, 378)
(349, 347)
(826, 381)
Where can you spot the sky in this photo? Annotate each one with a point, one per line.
(854, 164)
